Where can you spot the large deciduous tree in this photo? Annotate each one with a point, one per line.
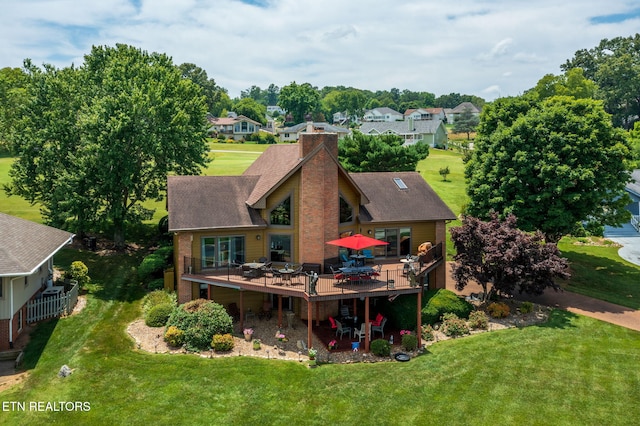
(13, 91)
(502, 258)
(216, 97)
(552, 164)
(384, 153)
(299, 100)
(615, 66)
(99, 140)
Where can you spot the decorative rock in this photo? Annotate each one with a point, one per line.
(65, 371)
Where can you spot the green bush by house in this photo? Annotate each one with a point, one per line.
(440, 302)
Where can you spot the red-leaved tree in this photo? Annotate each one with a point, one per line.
(498, 253)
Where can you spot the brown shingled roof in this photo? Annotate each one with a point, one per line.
(204, 202)
(389, 203)
(275, 164)
(25, 245)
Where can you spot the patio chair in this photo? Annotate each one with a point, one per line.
(368, 255)
(346, 262)
(342, 330)
(276, 275)
(298, 273)
(360, 333)
(337, 275)
(344, 312)
(379, 328)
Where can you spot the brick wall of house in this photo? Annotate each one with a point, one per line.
(319, 207)
(4, 329)
(184, 249)
(324, 310)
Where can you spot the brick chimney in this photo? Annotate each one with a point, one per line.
(319, 202)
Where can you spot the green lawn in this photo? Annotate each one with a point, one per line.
(572, 370)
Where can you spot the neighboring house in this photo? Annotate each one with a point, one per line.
(340, 118)
(382, 114)
(275, 108)
(26, 268)
(431, 132)
(633, 188)
(282, 210)
(425, 114)
(238, 127)
(452, 114)
(292, 134)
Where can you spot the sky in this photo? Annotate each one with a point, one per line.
(488, 48)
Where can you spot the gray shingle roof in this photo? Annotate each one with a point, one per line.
(389, 203)
(401, 127)
(328, 128)
(25, 245)
(203, 202)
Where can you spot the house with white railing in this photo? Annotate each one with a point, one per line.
(26, 272)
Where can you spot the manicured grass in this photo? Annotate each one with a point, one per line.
(572, 370)
(598, 271)
(452, 191)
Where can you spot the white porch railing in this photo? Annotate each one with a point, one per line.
(48, 307)
(635, 222)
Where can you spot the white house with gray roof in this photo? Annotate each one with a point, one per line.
(26, 267)
(431, 132)
(382, 114)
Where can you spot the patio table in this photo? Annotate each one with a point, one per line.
(286, 274)
(351, 271)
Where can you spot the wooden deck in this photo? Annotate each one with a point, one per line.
(392, 281)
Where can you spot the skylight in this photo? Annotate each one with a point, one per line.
(400, 183)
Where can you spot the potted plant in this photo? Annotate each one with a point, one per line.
(256, 344)
(312, 353)
(333, 345)
(248, 334)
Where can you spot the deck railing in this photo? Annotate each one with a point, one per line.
(390, 278)
(635, 222)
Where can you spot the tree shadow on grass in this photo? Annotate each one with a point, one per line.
(611, 280)
(38, 340)
(559, 318)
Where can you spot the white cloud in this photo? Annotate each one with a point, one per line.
(430, 46)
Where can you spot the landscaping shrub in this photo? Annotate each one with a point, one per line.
(156, 284)
(150, 267)
(157, 297)
(380, 347)
(158, 315)
(200, 320)
(427, 332)
(402, 312)
(498, 310)
(478, 320)
(174, 336)
(409, 342)
(222, 342)
(526, 307)
(453, 326)
(444, 301)
(79, 272)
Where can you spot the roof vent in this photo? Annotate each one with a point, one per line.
(400, 183)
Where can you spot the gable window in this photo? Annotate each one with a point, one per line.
(346, 211)
(281, 214)
(220, 251)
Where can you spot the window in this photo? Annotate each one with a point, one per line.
(281, 214)
(346, 211)
(219, 251)
(280, 248)
(400, 183)
(399, 240)
(1, 286)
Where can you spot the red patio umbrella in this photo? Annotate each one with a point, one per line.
(357, 242)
